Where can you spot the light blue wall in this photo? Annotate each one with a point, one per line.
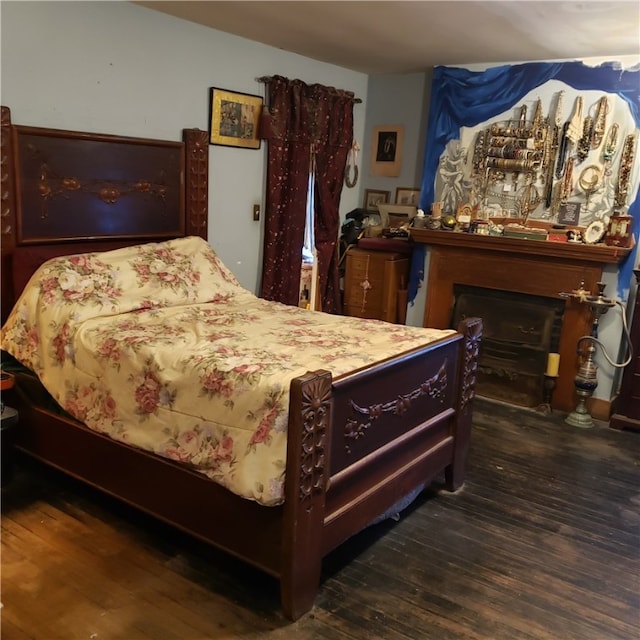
(115, 67)
(399, 100)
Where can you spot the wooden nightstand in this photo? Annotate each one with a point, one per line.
(372, 282)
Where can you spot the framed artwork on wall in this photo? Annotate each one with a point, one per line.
(407, 195)
(234, 119)
(386, 150)
(374, 197)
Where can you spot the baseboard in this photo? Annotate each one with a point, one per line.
(599, 409)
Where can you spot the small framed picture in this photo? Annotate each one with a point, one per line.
(386, 150)
(234, 119)
(374, 197)
(406, 195)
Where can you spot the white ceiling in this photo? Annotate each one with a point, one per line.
(407, 37)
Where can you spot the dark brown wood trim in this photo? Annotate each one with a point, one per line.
(7, 212)
(600, 254)
(471, 329)
(197, 176)
(305, 491)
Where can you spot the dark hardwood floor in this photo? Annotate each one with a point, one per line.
(541, 543)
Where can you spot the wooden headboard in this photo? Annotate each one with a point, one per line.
(69, 192)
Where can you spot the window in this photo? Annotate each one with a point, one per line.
(308, 247)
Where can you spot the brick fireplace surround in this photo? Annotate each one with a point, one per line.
(523, 266)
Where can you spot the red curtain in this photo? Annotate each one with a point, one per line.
(301, 120)
(331, 160)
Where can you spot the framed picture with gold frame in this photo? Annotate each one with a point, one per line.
(407, 195)
(386, 150)
(234, 119)
(374, 197)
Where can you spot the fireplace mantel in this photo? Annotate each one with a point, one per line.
(524, 266)
(563, 251)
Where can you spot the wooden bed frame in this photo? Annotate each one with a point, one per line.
(356, 445)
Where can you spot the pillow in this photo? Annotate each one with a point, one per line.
(25, 261)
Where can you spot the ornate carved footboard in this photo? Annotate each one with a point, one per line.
(359, 445)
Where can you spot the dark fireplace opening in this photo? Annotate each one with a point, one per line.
(519, 331)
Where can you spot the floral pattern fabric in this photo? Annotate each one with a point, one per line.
(158, 346)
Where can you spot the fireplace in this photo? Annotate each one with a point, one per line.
(530, 267)
(519, 330)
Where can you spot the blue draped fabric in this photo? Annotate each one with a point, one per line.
(463, 98)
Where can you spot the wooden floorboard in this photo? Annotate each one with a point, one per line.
(541, 543)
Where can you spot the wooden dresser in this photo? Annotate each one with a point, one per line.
(372, 284)
(626, 408)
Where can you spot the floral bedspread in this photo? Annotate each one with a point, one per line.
(159, 346)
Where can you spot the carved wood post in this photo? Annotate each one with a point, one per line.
(305, 488)
(471, 329)
(197, 181)
(7, 210)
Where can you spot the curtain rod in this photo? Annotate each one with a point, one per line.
(266, 79)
